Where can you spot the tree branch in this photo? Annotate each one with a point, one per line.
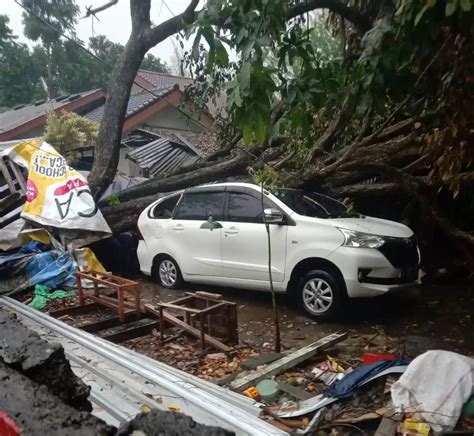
(169, 27)
(350, 14)
(92, 11)
(140, 13)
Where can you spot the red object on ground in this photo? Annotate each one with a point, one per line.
(7, 426)
(374, 357)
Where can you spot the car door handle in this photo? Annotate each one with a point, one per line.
(231, 231)
(178, 228)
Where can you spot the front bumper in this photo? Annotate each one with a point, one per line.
(368, 273)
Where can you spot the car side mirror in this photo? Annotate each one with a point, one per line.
(273, 216)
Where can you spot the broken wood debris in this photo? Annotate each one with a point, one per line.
(286, 362)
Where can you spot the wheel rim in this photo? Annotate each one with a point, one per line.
(168, 273)
(317, 296)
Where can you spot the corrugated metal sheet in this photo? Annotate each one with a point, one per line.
(162, 155)
(16, 117)
(136, 103)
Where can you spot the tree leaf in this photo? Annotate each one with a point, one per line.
(247, 132)
(244, 76)
(260, 129)
(450, 8)
(421, 13)
(466, 5)
(195, 49)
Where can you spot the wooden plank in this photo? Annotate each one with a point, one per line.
(104, 324)
(176, 307)
(106, 279)
(73, 310)
(132, 333)
(389, 424)
(295, 391)
(287, 362)
(18, 175)
(211, 309)
(208, 295)
(111, 303)
(213, 342)
(7, 176)
(260, 360)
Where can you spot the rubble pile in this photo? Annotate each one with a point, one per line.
(43, 363)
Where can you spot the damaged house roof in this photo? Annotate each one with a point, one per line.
(161, 154)
(136, 103)
(24, 119)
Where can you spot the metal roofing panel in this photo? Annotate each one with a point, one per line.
(162, 155)
(14, 118)
(136, 103)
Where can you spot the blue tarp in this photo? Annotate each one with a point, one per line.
(345, 388)
(51, 268)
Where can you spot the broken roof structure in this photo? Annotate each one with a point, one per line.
(161, 154)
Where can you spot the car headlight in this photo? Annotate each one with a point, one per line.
(361, 240)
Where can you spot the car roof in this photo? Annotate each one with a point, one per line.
(234, 184)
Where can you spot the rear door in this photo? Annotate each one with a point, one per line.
(195, 246)
(244, 242)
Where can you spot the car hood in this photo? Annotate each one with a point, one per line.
(375, 226)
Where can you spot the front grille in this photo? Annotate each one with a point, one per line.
(400, 252)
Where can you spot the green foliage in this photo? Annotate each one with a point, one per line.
(113, 200)
(57, 16)
(69, 132)
(65, 67)
(19, 80)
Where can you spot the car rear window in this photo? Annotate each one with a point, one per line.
(201, 205)
(164, 209)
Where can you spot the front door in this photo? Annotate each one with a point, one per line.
(195, 244)
(244, 242)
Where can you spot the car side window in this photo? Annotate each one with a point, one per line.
(245, 208)
(164, 209)
(201, 205)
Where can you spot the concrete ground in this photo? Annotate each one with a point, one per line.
(422, 318)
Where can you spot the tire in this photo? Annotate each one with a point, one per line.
(167, 273)
(321, 295)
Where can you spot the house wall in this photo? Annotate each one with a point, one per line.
(39, 131)
(171, 118)
(123, 165)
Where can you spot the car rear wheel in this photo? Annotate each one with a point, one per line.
(320, 294)
(167, 273)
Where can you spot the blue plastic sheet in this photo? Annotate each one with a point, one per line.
(348, 385)
(51, 268)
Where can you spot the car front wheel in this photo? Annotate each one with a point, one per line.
(168, 274)
(320, 294)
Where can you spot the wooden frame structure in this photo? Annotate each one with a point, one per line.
(118, 284)
(204, 315)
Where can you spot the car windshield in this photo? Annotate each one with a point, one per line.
(311, 204)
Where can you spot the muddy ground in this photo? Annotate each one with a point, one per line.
(429, 316)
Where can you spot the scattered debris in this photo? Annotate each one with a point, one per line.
(438, 400)
(288, 361)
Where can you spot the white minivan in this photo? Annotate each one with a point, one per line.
(215, 234)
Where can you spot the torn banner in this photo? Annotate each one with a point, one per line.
(56, 194)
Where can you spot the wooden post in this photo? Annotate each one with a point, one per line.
(232, 326)
(136, 291)
(162, 323)
(80, 292)
(120, 304)
(201, 327)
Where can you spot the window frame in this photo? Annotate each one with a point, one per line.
(253, 193)
(162, 200)
(191, 191)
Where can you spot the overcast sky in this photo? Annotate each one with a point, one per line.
(114, 22)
